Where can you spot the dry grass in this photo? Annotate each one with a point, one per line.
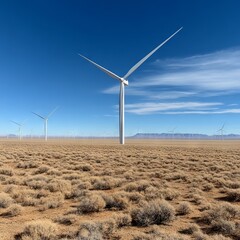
(40, 230)
(5, 200)
(13, 210)
(91, 203)
(155, 212)
(184, 208)
(99, 190)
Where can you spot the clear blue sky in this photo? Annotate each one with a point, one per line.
(192, 82)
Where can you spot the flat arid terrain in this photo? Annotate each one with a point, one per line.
(98, 189)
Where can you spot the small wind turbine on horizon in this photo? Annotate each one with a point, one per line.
(172, 131)
(221, 130)
(123, 81)
(46, 121)
(19, 129)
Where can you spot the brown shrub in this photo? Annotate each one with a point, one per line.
(6, 171)
(14, 180)
(151, 193)
(123, 219)
(154, 212)
(233, 195)
(193, 228)
(135, 197)
(85, 167)
(5, 200)
(54, 201)
(207, 187)
(115, 201)
(40, 230)
(28, 164)
(72, 176)
(25, 197)
(63, 186)
(137, 186)
(169, 194)
(91, 203)
(13, 210)
(218, 237)
(184, 208)
(42, 169)
(198, 199)
(66, 219)
(107, 227)
(89, 230)
(54, 172)
(224, 211)
(36, 182)
(76, 193)
(200, 236)
(104, 183)
(10, 189)
(223, 226)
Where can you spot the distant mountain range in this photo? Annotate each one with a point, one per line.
(146, 136)
(183, 136)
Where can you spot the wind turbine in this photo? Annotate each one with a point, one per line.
(19, 129)
(46, 121)
(221, 130)
(172, 131)
(123, 81)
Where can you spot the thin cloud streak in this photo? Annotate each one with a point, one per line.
(226, 111)
(204, 75)
(219, 71)
(151, 107)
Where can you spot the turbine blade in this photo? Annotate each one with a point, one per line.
(38, 115)
(138, 64)
(54, 110)
(111, 74)
(16, 123)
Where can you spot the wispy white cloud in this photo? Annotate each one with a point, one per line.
(216, 73)
(226, 111)
(153, 107)
(208, 75)
(179, 108)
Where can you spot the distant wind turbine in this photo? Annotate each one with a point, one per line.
(19, 129)
(221, 130)
(123, 81)
(172, 131)
(46, 121)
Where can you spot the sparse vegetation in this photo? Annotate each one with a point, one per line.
(144, 190)
(91, 203)
(13, 210)
(5, 200)
(155, 212)
(39, 230)
(184, 208)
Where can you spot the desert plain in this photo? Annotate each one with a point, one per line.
(97, 189)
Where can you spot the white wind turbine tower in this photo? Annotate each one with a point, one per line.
(46, 121)
(221, 130)
(19, 129)
(172, 131)
(123, 81)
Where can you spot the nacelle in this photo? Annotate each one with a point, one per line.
(124, 81)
